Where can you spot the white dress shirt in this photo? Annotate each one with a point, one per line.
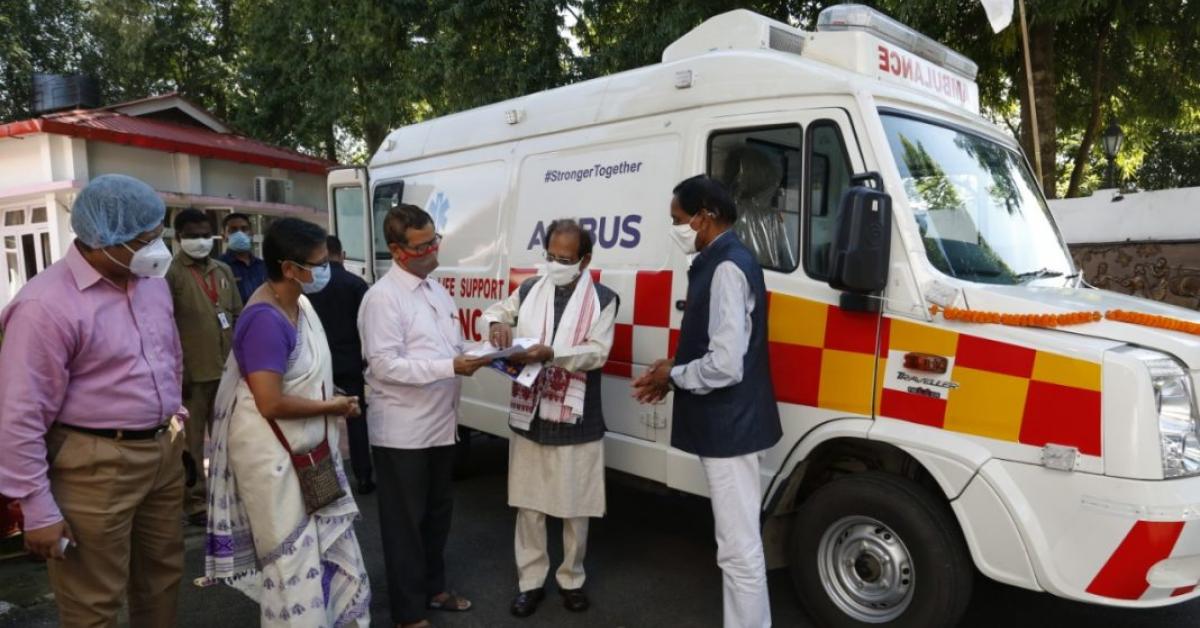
(729, 307)
(410, 335)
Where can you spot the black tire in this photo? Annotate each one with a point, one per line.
(941, 566)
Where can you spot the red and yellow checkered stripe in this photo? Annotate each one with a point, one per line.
(825, 357)
(822, 356)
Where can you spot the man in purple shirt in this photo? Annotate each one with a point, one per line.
(89, 381)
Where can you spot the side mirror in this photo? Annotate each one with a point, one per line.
(862, 239)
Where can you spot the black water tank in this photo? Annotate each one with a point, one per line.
(56, 92)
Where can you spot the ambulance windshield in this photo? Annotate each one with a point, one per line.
(980, 213)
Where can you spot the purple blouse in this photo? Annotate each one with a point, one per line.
(263, 340)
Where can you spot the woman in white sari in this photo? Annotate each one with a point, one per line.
(303, 569)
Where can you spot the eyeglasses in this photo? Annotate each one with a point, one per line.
(311, 267)
(425, 247)
(561, 260)
(144, 243)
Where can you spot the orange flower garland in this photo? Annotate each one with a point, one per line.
(1152, 320)
(1015, 320)
(1060, 320)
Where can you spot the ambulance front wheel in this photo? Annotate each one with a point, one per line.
(875, 549)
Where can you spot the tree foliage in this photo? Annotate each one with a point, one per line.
(1174, 162)
(1092, 59)
(333, 78)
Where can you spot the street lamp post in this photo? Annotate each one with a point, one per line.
(1111, 141)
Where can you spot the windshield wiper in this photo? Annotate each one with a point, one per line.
(1040, 273)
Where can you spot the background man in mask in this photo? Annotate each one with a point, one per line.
(556, 456)
(724, 410)
(239, 255)
(412, 342)
(206, 306)
(337, 304)
(89, 381)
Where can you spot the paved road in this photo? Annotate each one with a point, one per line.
(651, 564)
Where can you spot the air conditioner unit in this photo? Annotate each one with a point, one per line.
(272, 190)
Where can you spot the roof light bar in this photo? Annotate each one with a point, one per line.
(856, 17)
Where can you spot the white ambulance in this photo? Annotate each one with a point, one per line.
(916, 449)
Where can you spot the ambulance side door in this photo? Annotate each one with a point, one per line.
(349, 220)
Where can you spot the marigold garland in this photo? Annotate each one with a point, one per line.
(1015, 320)
(1153, 320)
(1060, 320)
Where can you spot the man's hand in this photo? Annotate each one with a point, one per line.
(467, 365)
(655, 383)
(45, 542)
(500, 334)
(533, 355)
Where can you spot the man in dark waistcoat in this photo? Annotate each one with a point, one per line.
(556, 453)
(724, 408)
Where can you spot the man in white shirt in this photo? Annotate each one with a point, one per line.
(724, 409)
(412, 343)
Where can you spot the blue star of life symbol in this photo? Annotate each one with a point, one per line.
(439, 207)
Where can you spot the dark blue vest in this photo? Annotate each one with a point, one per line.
(739, 419)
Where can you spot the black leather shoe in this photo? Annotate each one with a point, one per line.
(366, 487)
(575, 600)
(527, 602)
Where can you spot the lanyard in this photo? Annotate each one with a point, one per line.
(209, 287)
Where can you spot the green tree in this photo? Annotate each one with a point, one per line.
(142, 47)
(290, 85)
(618, 35)
(45, 36)
(1174, 162)
(1090, 58)
(475, 52)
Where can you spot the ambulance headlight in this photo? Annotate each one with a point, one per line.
(1178, 423)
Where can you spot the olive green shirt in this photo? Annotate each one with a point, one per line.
(205, 343)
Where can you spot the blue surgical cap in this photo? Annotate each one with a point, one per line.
(113, 209)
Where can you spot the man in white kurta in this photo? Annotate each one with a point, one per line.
(556, 454)
(412, 343)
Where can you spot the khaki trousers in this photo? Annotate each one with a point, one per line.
(199, 399)
(533, 561)
(121, 500)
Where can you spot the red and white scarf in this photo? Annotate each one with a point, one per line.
(557, 394)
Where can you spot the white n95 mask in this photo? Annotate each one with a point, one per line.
(151, 260)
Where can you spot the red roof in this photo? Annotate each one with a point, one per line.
(118, 128)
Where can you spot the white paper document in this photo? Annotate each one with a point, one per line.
(492, 352)
(523, 374)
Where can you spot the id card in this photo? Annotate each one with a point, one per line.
(223, 319)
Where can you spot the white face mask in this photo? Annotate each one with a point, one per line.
(197, 248)
(562, 274)
(151, 260)
(684, 236)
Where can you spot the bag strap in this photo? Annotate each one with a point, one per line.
(283, 439)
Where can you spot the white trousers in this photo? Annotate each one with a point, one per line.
(734, 486)
(533, 560)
